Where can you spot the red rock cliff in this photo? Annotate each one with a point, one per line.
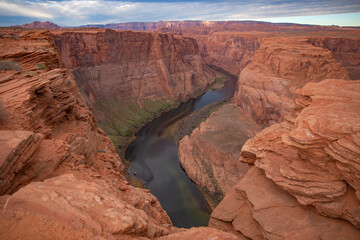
(266, 87)
(60, 176)
(345, 50)
(305, 178)
(133, 69)
(210, 154)
(230, 51)
(135, 64)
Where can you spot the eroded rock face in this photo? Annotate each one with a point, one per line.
(306, 173)
(127, 77)
(134, 64)
(92, 208)
(47, 133)
(258, 209)
(266, 87)
(210, 154)
(230, 51)
(345, 50)
(201, 233)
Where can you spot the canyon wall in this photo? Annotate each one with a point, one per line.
(230, 51)
(304, 179)
(206, 26)
(345, 50)
(210, 153)
(60, 175)
(127, 77)
(266, 87)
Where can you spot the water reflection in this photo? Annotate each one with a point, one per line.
(154, 158)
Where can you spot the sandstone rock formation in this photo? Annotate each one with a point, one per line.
(48, 133)
(86, 208)
(207, 26)
(230, 51)
(210, 154)
(345, 50)
(266, 87)
(126, 76)
(306, 174)
(200, 233)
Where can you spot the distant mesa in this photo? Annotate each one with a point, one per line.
(38, 24)
(165, 26)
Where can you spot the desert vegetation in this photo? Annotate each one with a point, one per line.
(10, 65)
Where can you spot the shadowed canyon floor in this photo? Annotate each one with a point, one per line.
(279, 162)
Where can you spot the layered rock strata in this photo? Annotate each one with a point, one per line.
(305, 180)
(60, 176)
(230, 51)
(345, 50)
(210, 154)
(127, 77)
(48, 133)
(266, 87)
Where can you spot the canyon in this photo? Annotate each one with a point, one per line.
(279, 161)
(127, 77)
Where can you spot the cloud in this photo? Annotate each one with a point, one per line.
(24, 10)
(79, 12)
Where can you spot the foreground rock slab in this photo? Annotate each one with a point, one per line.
(90, 208)
(258, 209)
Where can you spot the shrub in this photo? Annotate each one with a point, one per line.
(41, 66)
(10, 65)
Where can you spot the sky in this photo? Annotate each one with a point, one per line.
(82, 12)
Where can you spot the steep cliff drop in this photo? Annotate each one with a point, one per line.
(48, 133)
(297, 179)
(266, 91)
(266, 87)
(231, 51)
(305, 180)
(128, 77)
(345, 50)
(60, 176)
(210, 154)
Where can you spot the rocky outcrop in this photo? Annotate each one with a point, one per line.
(230, 51)
(86, 208)
(47, 133)
(210, 154)
(345, 50)
(306, 174)
(200, 233)
(37, 24)
(126, 76)
(266, 87)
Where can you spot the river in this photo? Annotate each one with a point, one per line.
(154, 158)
